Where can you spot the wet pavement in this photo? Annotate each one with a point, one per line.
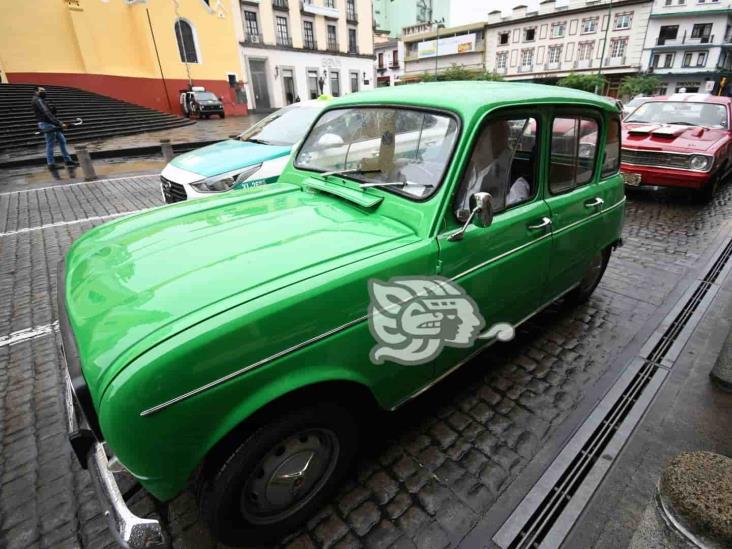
(213, 129)
(428, 474)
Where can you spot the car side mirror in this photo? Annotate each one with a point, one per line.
(481, 213)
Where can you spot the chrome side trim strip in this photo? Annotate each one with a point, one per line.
(665, 167)
(317, 338)
(246, 369)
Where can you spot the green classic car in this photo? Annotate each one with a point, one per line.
(235, 342)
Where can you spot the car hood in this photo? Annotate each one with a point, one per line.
(671, 137)
(134, 282)
(227, 156)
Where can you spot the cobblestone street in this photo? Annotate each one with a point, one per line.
(428, 473)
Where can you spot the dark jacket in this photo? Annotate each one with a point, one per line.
(44, 112)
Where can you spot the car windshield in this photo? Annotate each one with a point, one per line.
(709, 115)
(404, 150)
(284, 127)
(205, 96)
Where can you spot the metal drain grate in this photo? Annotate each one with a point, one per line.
(569, 482)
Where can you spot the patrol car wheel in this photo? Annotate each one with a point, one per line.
(280, 475)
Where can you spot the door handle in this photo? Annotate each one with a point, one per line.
(597, 201)
(545, 222)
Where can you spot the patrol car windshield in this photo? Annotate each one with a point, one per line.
(205, 96)
(284, 127)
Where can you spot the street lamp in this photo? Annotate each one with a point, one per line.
(439, 23)
(604, 45)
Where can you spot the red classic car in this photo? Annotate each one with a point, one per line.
(682, 140)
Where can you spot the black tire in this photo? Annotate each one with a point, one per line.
(706, 194)
(233, 493)
(222, 115)
(590, 279)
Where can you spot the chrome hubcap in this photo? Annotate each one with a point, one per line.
(289, 475)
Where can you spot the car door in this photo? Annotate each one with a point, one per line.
(575, 195)
(501, 266)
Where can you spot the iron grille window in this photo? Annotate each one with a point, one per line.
(352, 47)
(332, 40)
(330, 3)
(251, 23)
(351, 10)
(309, 35)
(186, 41)
(283, 33)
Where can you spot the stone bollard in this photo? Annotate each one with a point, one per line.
(167, 148)
(85, 162)
(721, 374)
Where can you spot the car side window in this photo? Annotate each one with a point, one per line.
(573, 152)
(611, 165)
(503, 163)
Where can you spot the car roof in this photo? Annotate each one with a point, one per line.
(693, 98)
(320, 102)
(468, 97)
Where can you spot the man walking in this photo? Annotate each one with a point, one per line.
(51, 128)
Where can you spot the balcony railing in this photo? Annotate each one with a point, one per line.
(280, 4)
(352, 48)
(501, 70)
(309, 44)
(307, 6)
(333, 45)
(351, 16)
(525, 68)
(394, 65)
(284, 41)
(583, 64)
(253, 39)
(555, 66)
(614, 61)
(685, 40)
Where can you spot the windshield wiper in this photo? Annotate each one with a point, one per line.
(682, 123)
(258, 141)
(396, 184)
(347, 171)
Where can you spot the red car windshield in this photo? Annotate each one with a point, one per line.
(709, 115)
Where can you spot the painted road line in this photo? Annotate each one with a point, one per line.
(64, 185)
(28, 333)
(73, 222)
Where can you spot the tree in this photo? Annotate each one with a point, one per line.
(456, 72)
(585, 82)
(489, 76)
(639, 84)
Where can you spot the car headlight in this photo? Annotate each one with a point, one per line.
(699, 162)
(224, 182)
(586, 150)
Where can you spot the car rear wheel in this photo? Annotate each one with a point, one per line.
(590, 279)
(280, 475)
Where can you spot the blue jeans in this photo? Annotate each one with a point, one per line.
(52, 135)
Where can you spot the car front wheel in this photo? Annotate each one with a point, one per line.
(280, 475)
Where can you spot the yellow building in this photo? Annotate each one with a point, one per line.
(144, 52)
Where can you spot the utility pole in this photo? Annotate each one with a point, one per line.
(437, 40)
(604, 45)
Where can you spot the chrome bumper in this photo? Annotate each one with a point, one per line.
(129, 530)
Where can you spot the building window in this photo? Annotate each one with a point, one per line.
(501, 60)
(589, 25)
(351, 10)
(527, 58)
(655, 60)
(186, 41)
(666, 33)
(335, 83)
(288, 81)
(554, 54)
(669, 61)
(703, 32)
(330, 3)
(668, 2)
(250, 23)
(332, 40)
(381, 60)
(283, 32)
(313, 86)
(584, 51)
(354, 81)
(622, 21)
(308, 35)
(617, 47)
(394, 58)
(558, 29)
(529, 35)
(503, 38)
(701, 59)
(352, 45)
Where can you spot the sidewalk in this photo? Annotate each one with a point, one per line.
(203, 131)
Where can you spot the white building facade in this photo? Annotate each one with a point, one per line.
(585, 37)
(295, 50)
(689, 45)
(388, 62)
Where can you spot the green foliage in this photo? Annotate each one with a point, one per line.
(459, 72)
(584, 82)
(639, 84)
